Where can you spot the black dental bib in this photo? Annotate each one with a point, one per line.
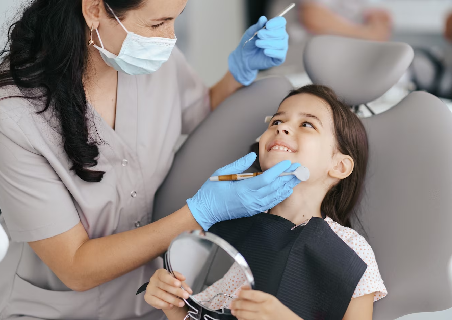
(309, 269)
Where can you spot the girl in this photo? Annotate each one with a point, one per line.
(314, 128)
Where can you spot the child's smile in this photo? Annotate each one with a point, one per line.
(281, 146)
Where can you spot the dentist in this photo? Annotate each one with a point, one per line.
(93, 98)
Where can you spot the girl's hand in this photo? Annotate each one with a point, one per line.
(257, 305)
(163, 291)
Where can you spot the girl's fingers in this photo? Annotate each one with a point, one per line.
(252, 295)
(182, 278)
(175, 291)
(245, 305)
(246, 315)
(157, 303)
(245, 287)
(187, 288)
(169, 298)
(179, 276)
(168, 278)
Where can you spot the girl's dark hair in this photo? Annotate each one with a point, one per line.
(351, 137)
(45, 58)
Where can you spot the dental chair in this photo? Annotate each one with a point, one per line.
(4, 243)
(406, 210)
(407, 205)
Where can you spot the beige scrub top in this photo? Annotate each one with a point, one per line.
(40, 197)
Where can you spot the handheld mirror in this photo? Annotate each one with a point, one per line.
(213, 269)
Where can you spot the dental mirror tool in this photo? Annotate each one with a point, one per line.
(302, 173)
(280, 15)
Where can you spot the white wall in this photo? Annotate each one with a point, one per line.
(213, 28)
(8, 9)
(424, 16)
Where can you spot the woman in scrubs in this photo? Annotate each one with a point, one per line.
(93, 98)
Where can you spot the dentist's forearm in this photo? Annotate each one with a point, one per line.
(123, 252)
(223, 89)
(82, 263)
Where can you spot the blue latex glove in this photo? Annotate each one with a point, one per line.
(266, 50)
(226, 200)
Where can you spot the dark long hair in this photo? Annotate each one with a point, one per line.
(351, 139)
(46, 57)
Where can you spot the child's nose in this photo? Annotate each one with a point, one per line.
(283, 129)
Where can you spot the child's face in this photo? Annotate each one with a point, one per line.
(301, 131)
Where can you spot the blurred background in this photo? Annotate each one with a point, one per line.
(209, 30)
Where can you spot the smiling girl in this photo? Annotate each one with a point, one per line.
(314, 128)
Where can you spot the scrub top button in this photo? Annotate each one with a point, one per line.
(124, 162)
(137, 224)
(134, 194)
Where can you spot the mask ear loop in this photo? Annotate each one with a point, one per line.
(91, 41)
(100, 40)
(117, 19)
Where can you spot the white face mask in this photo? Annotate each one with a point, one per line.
(138, 55)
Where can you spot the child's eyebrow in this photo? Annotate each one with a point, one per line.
(308, 115)
(278, 114)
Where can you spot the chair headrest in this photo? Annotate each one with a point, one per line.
(359, 71)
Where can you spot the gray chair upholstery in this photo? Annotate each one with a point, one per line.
(359, 71)
(4, 243)
(439, 315)
(406, 209)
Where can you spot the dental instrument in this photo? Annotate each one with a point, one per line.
(302, 173)
(280, 15)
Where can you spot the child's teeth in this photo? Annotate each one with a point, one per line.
(282, 148)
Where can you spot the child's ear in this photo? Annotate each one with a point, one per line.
(342, 166)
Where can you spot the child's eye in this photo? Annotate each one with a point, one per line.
(157, 25)
(275, 122)
(307, 125)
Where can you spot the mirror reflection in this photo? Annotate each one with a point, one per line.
(212, 273)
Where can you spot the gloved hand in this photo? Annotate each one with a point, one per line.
(266, 50)
(227, 200)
